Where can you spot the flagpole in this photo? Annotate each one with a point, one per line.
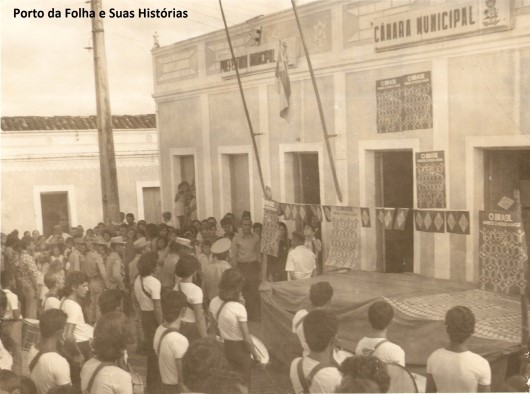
(319, 103)
(252, 135)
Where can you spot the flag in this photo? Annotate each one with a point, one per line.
(283, 84)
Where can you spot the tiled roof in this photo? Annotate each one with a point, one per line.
(119, 122)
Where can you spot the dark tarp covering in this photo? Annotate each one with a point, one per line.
(354, 292)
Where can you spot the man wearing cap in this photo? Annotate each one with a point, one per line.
(96, 273)
(247, 255)
(76, 259)
(114, 264)
(211, 275)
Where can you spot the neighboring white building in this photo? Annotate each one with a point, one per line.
(50, 170)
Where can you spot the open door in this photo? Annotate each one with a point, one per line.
(395, 189)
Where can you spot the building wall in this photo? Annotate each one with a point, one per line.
(481, 90)
(35, 162)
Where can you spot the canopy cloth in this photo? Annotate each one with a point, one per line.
(419, 303)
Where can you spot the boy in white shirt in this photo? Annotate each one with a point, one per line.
(12, 323)
(317, 372)
(54, 281)
(455, 369)
(48, 369)
(320, 295)
(301, 262)
(169, 344)
(380, 316)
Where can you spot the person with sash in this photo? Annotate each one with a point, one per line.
(380, 316)
(169, 344)
(102, 373)
(193, 324)
(318, 371)
(231, 319)
(147, 289)
(47, 368)
(77, 333)
(320, 295)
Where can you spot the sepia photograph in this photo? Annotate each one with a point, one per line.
(264, 196)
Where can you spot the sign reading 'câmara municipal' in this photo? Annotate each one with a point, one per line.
(441, 23)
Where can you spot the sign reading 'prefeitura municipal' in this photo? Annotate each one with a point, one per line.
(441, 23)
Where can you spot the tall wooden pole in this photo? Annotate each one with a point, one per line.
(320, 110)
(107, 160)
(252, 135)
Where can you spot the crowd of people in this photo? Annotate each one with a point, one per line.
(182, 297)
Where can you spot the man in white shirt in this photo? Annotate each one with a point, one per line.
(320, 295)
(301, 262)
(317, 372)
(380, 316)
(48, 369)
(169, 344)
(454, 369)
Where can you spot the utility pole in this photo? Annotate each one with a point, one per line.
(107, 159)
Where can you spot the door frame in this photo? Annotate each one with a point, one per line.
(301, 148)
(367, 195)
(140, 196)
(174, 153)
(224, 203)
(475, 147)
(381, 262)
(71, 198)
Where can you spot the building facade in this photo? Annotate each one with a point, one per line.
(51, 174)
(426, 103)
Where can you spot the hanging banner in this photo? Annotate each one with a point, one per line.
(430, 179)
(429, 221)
(389, 105)
(269, 235)
(401, 218)
(417, 101)
(365, 217)
(503, 254)
(345, 240)
(457, 222)
(404, 103)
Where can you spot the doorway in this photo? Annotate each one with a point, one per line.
(239, 185)
(152, 205)
(506, 172)
(395, 189)
(184, 171)
(55, 210)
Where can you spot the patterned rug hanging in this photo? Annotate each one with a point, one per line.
(269, 235)
(503, 255)
(345, 240)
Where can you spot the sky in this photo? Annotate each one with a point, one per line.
(46, 69)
